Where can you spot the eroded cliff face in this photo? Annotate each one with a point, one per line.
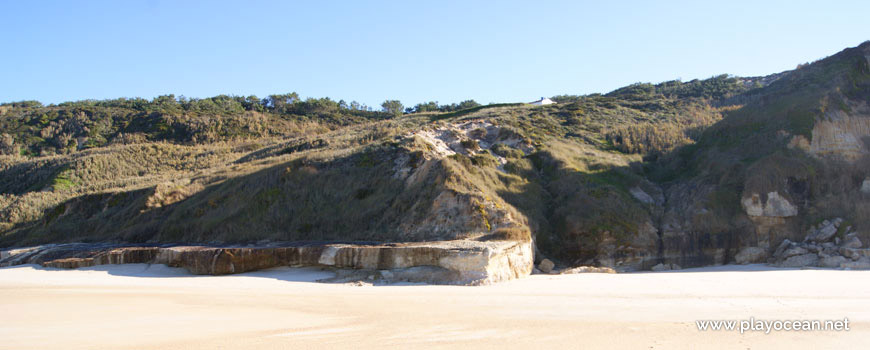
(843, 133)
(640, 252)
(447, 262)
(690, 234)
(794, 154)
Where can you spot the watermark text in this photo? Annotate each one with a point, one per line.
(767, 326)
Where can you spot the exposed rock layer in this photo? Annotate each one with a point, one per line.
(774, 206)
(450, 262)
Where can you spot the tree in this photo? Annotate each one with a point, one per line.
(393, 107)
(426, 107)
(315, 106)
(468, 104)
(24, 104)
(280, 103)
(166, 104)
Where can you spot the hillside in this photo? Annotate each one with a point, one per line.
(684, 173)
(792, 156)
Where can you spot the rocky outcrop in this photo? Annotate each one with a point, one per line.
(865, 186)
(842, 135)
(769, 215)
(825, 231)
(833, 261)
(446, 262)
(851, 240)
(471, 137)
(842, 132)
(801, 260)
(818, 250)
(863, 264)
(854, 253)
(773, 205)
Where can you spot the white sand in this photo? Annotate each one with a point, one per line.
(141, 307)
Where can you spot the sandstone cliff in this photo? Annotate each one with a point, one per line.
(453, 262)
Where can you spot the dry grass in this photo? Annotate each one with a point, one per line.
(247, 176)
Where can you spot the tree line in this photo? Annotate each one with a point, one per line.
(289, 103)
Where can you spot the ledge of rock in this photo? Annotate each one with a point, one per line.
(444, 262)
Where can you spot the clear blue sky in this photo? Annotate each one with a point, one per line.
(414, 51)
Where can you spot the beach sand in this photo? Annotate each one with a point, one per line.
(157, 307)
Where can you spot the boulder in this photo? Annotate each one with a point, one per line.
(833, 261)
(780, 249)
(660, 267)
(774, 206)
(804, 260)
(855, 253)
(546, 266)
(862, 264)
(797, 250)
(751, 255)
(851, 241)
(826, 230)
(829, 248)
(865, 186)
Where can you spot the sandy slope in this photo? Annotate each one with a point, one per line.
(141, 307)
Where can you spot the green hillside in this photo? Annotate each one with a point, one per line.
(641, 175)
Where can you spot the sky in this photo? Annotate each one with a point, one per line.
(413, 51)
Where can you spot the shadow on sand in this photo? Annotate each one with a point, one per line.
(287, 274)
(743, 268)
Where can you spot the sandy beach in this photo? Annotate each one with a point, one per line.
(157, 307)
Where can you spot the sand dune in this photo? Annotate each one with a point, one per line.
(156, 307)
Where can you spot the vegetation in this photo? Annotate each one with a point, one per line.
(242, 169)
(76, 126)
(393, 107)
(433, 106)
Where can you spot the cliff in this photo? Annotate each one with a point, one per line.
(451, 262)
(675, 174)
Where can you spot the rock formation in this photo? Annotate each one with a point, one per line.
(773, 206)
(448, 262)
(842, 134)
(546, 266)
(821, 248)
